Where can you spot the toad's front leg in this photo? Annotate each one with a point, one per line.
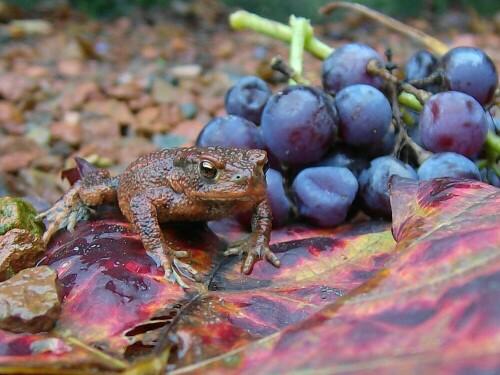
(141, 212)
(95, 188)
(256, 246)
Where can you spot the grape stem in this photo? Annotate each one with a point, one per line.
(492, 150)
(493, 142)
(406, 116)
(410, 101)
(436, 78)
(428, 41)
(281, 66)
(402, 137)
(374, 67)
(301, 31)
(245, 20)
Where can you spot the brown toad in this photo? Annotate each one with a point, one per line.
(183, 184)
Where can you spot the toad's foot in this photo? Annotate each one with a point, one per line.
(174, 268)
(65, 213)
(255, 249)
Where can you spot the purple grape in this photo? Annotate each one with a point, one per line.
(364, 114)
(247, 98)
(347, 66)
(471, 71)
(230, 131)
(344, 158)
(420, 65)
(324, 194)
(413, 130)
(453, 121)
(493, 124)
(373, 184)
(280, 204)
(489, 176)
(299, 124)
(448, 164)
(384, 147)
(496, 123)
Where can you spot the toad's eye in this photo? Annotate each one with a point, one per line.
(265, 168)
(208, 170)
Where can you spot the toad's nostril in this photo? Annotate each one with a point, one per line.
(239, 178)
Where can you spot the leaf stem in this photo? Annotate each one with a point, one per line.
(105, 359)
(245, 20)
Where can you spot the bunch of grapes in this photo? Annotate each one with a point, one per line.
(333, 148)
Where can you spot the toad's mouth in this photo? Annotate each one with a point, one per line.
(233, 196)
(226, 198)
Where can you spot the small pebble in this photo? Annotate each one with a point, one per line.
(189, 110)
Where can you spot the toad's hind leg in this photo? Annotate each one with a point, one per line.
(141, 212)
(95, 188)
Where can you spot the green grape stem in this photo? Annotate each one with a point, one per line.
(245, 20)
(301, 31)
(410, 101)
(281, 66)
(406, 117)
(482, 163)
(493, 142)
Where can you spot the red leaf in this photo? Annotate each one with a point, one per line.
(343, 300)
(435, 308)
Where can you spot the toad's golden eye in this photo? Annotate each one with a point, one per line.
(208, 170)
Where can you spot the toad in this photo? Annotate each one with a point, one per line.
(183, 184)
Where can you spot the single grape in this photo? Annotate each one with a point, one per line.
(453, 121)
(493, 123)
(448, 164)
(278, 200)
(384, 147)
(496, 123)
(347, 66)
(280, 204)
(299, 124)
(344, 158)
(414, 133)
(413, 129)
(364, 114)
(421, 65)
(230, 131)
(373, 184)
(489, 176)
(247, 98)
(324, 194)
(471, 71)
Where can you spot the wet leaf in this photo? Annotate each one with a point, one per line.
(344, 300)
(433, 308)
(116, 299)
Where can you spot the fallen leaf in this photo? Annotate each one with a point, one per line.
(433, 308)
